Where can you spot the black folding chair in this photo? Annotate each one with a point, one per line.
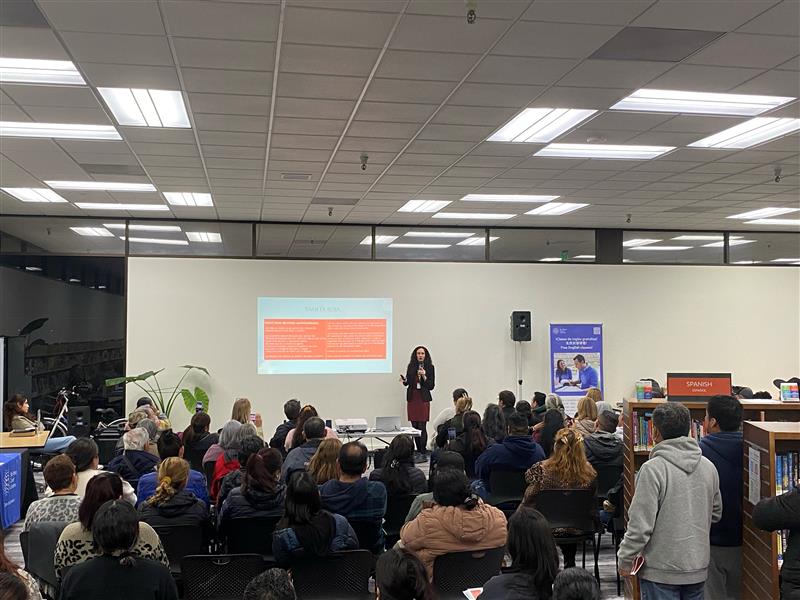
(194, 457)
(338, 575)
(368, 533)
(249, 536)
(397, 508)
(608, 478)
(220, 577)
(108, 448)
(457, 571)
(180, 541)
(507, 489)
(208, 471)
(575, 510)
(39, 549)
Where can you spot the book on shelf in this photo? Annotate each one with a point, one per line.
(786, 478)
(642, 426)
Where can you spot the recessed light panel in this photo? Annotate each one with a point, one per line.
(59, 131)
(121, 206)
(507, 198)
(379, 240)
(420, 246)
(34, 194)
(662, 248)
(551, 259)
(188, 199)
(29, 70)
(553, 209)
(779, 222)
(764, 213)
(92, 231)
(483, 216)
(731, 242)
(606, 151)
(141, 240)
(476, 241)
(639, 242)
(204, 236)
(747, 134)
(162, 228)
(676, 101)
(423, 206)
(146, 108)
(105, 186)
(438, 234)
(540, 125)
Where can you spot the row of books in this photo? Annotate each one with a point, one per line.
(787, 476)
(642, 435)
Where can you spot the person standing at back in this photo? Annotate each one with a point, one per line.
(676, 500)
(722, 445)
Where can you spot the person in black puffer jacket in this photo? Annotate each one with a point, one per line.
(250, 445)
(172, 504)
(261, 494)
(134, 461)
(783, 512)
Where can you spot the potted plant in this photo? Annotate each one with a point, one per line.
(164, 398)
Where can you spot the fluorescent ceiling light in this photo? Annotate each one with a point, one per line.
(92, 231)
(476, 241)
(731, 242)
(662, 248)
(118, 206)
(106, 186)
(706, 103)
(33, 269)
(379, 239)
(188, 198)
(204, 236)
(139, 240)
(74, 280)
(425, 246)
(606, 151)
(540, 125)
(101, 287)
(764, 213)
(31, 70)
(700, 238)
(551, 259)
(786, 260)
(746, 262)
(142, 227)
(752, 132)
(639, 242)
(439, 234)
(553, 209)
(584, 257)
(485, 216)
(789, 222)
(62, 131)
(34, 194)
(424, 206)
(146, 108)
(507, 198)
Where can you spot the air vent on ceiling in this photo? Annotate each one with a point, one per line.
(98, 169)
(335, 201)
(296, 176)
(22, 13)
(653, 43)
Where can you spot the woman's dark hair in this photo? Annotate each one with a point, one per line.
(197, 427)
(532, 548)
(575, 584)
(302, 500)
(523, 407)
(116, 528)
(12, 408)
(400, 575)
(474, 438)
(553, 421)
(298, 437)
(427, 363)
(458, 392)
(494, 422)
(451, 488)
(250, 445)
(82, 452)
(6, 566)
(259, 473)
(100, 489)
(12, 587)
(396, 462)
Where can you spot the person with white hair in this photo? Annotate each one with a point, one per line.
(135, 460)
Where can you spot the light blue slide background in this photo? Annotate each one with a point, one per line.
(324, 308)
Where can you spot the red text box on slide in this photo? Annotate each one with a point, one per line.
(324, 339)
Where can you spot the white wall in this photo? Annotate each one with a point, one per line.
(656, 319)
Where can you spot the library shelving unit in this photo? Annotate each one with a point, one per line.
(636, 454)
(760, 548)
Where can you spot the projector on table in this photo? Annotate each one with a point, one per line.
(350, 425)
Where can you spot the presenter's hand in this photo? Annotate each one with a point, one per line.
(421, 373)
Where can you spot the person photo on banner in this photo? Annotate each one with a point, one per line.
(587, 374)
(563, 374)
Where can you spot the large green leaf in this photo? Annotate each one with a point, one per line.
(203, 369)
(33, 326)
(36, 342)
(117, 380)
(188, 400)
(200, 395)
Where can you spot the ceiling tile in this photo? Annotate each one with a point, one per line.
(700, 14)
(205, 122)
(614, 73)
(55, 96)
(119, 49)
(446, 34)
(473, 115)
(304, 107)
(394, 111)
(319, 86)
(308, 126)
(562, 40)
(52, 114)
(225, 54)
(330, 60)
(703, 78)
(133, 76)
(227, 81)
(229, 104)
(141, 17)
(404, 64)
(336, 28)
(620, 12)
(494, 94)
(745, 50)
(191, 18)
(778, 83)
(28, 42)
(515, 70)
(393, 90)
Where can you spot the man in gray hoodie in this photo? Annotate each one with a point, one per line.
(676, 500)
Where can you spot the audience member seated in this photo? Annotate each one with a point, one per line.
(400, 575)
(398, 473)
(272, 584)
(353, 496)
(444, 415)
(517, 452)
(603, 447)
(197, 440)
(471, 443)
(446, 460)
(298, 458)
(141, 417)
(226, 437)
(16, 417)
(153, 433)
(306, 530)
(296, 437)
(134, 461)
(76, 544)
(116, 573)
(595, 395)
(523, 407)
(566, 469)
(158, 417)
(539, 407)
(85, 454)
(454, 426)
(172, 504)
(261, 495)
(292, 410)
(534, 560)
(324, 465)
(554, 401)
(459, 521)
(242, 411)
(228, 462)
(20, 584)
(585, 417)
(494, 423)
(59, 475)
(775, 514)
(250, 445)
(545, 435)
(169, 445)
(577, 584)
(507, 402)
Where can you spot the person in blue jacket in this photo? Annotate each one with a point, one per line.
(169, 444)
(722, 445)
(587, 374)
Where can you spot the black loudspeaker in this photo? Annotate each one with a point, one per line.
(521, 326)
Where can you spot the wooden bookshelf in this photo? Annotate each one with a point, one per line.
(754, 410)
(760, 548)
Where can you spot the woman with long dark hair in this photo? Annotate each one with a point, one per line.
(261, 494)
(419, 381)
(400, 575)
(471, 443)
(398, 473)
(494, 423)
(16, 417)
(18, 582)
(546, 435)
(197, 440)
(295, 438)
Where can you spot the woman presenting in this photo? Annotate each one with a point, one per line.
(419, 379)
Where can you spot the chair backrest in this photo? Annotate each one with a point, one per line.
(368, 533)
(338, 575)
(194, 457)
(249, 536)
(41, 550)
(23, 544)
(208, 471)
(458, 571)
(221, 576)
(507, 483)
(108, 448)
(569, 509)
(180, 541)
(397, 508)
(607, 477)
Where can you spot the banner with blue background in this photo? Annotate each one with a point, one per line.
(576, 358)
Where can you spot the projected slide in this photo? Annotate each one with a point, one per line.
(324, 335)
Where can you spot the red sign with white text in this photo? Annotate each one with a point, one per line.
(688, 385)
